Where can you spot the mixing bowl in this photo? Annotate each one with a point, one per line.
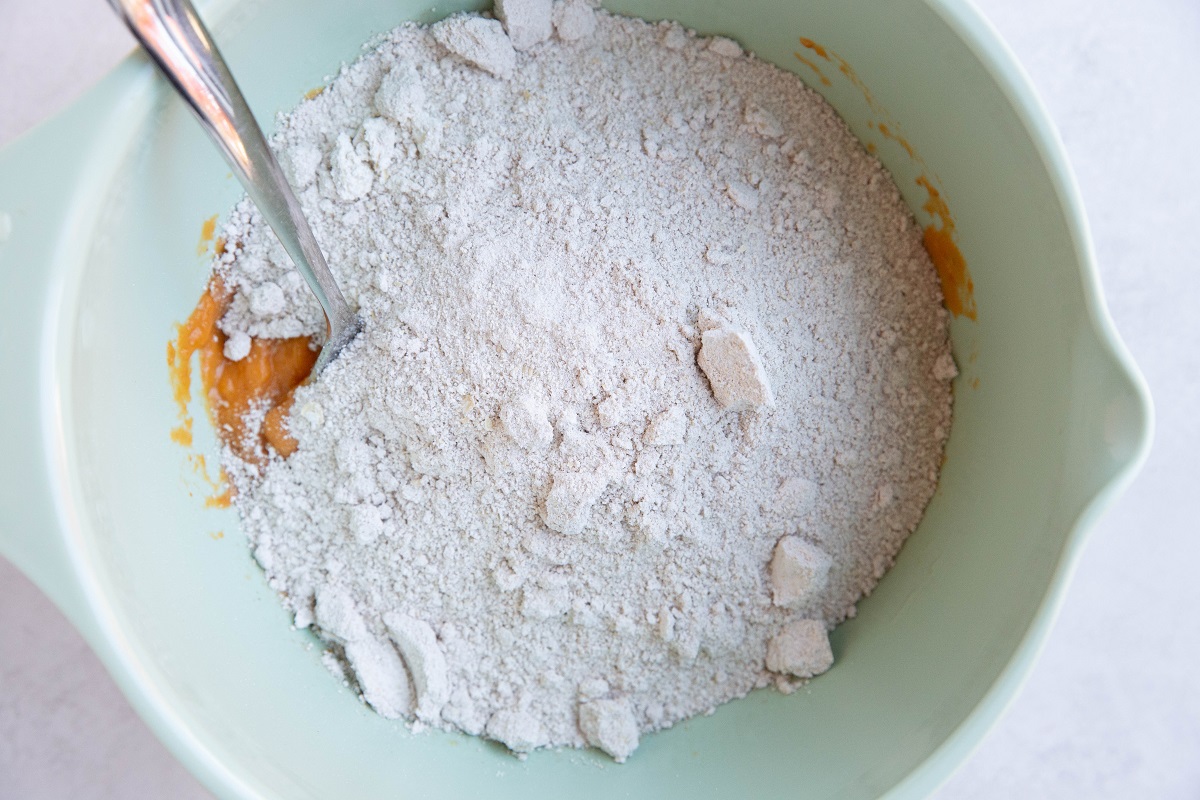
(102, 208)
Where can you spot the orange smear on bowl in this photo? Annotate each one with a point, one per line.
(888, 133)
(816, 48)
(207, 230)
(808, 63)
(843, 67)
(222, 491)
(958, 289)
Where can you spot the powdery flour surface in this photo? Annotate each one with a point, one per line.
(653, 386)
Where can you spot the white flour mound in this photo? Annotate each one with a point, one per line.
(654, 382)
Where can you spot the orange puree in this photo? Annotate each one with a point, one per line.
(957, 287)
(266, 377)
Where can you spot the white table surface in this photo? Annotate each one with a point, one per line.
(1112, 709)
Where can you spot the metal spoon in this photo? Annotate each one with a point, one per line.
(172, 33)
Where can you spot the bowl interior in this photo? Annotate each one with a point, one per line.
(1042, 421)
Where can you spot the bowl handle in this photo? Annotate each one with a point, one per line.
(39, 176)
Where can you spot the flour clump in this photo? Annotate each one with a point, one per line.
(527, 22)
(574, 19)
(732, 365)
(798, 571)
(653, 385)
(801, 649)
(477, 41)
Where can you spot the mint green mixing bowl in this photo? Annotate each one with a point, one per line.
(103, 511)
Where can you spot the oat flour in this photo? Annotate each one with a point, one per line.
(653, 386)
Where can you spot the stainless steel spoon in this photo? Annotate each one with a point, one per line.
(173, 35)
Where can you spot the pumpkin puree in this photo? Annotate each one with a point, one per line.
(264, 380)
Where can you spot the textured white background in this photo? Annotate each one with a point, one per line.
(1113, 708)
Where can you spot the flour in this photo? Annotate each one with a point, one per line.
(653, 386)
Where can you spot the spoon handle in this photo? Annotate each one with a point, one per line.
(175, 38)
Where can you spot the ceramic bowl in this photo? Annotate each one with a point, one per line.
(99, 261)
